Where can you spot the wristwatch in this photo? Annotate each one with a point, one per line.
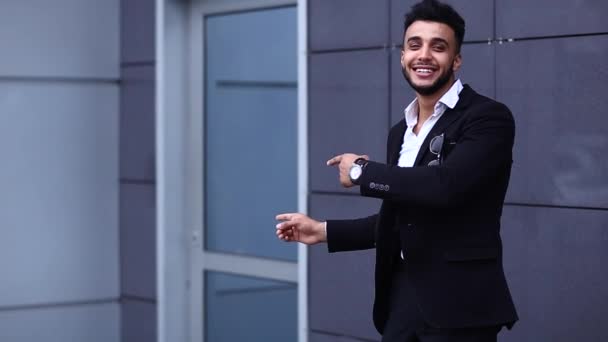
(356, 170)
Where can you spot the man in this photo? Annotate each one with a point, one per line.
(439, 274)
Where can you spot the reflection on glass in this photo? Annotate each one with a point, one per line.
(250, 130)
(249, 309)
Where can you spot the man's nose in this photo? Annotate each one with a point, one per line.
(425, 53)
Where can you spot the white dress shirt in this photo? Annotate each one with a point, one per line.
(412, 142)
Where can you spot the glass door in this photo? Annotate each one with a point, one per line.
(244, 280)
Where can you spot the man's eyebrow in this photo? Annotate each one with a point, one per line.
(433, 40)
(440, 40)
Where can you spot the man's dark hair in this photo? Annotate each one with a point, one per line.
(433, 10)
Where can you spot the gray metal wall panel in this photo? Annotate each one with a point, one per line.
(477, 70)
(137, 150)
(553, 261)
(137, 163)
(338, 24)
(91, 323)
(64, 38)
(552, 256)
(342, 284)
(138, 240)
(138, 321)
(137, 20)
(58, 204)
(348, 110)
(523, 18)
(401, 92)
(478, 15)
(555, 88)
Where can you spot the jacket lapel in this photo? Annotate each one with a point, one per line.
(444, 121)
(449, 116)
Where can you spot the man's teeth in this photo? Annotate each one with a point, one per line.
(424, 71)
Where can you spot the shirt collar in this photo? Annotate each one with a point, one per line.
(449, 99)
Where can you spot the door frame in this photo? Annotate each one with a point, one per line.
(201, 260)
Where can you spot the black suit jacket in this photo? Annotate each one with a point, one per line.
(445, 218)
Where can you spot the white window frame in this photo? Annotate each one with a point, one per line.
(201, 260)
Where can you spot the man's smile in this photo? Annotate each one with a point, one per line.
(424, 71)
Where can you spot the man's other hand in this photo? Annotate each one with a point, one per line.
(300, 228)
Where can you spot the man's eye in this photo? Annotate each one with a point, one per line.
(414, 46)
(439, 48)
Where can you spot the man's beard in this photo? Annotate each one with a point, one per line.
(433, 88)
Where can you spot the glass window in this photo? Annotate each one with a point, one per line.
(250, 133)
(249, 309)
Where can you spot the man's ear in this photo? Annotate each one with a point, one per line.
(457, 62)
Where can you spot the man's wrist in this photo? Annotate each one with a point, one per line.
(356, 170)
(324, 232)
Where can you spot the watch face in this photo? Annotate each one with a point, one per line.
(355, 172)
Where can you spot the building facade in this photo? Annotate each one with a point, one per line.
(131, 130)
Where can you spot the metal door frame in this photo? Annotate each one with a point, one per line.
(201, 260)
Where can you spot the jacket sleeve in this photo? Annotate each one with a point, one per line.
(483, 148)
(351, 235)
